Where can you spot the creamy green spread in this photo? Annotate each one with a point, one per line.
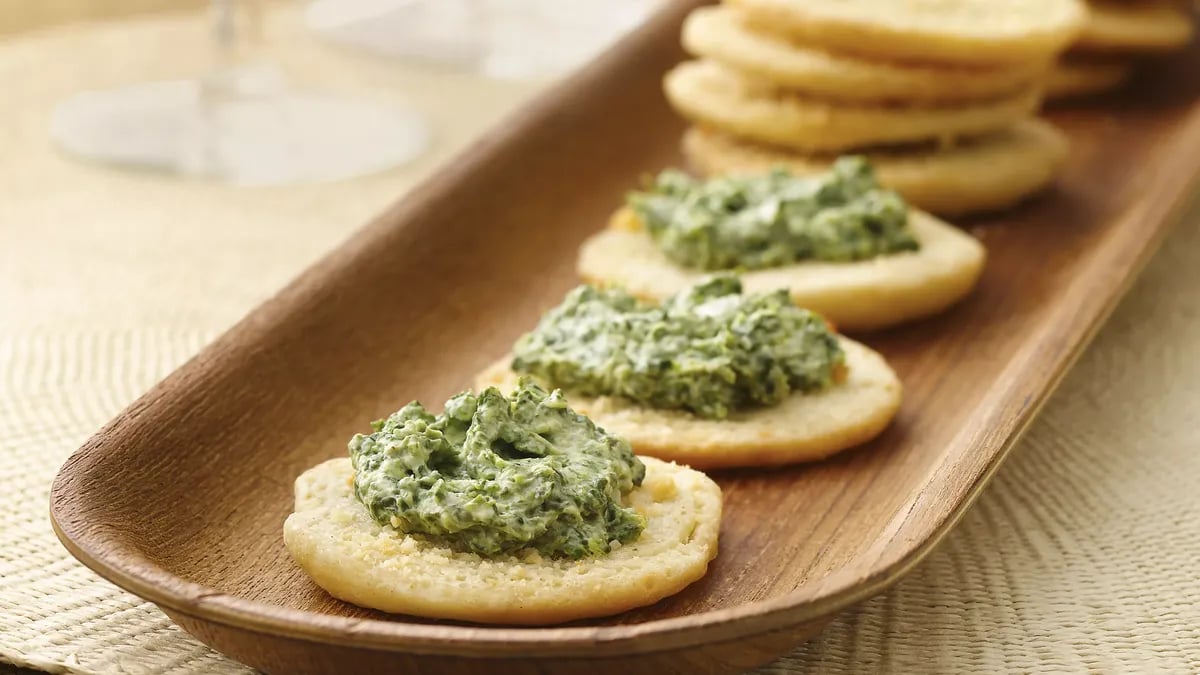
(773, 220)
(709, 350)
(496, 474)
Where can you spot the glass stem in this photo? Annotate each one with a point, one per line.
(235, 24)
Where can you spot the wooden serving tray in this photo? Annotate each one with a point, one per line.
(181, 499)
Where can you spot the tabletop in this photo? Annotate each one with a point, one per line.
(1082, 555)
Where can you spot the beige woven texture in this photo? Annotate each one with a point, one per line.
(1083, 554)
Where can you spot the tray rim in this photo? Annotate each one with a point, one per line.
(811, 602)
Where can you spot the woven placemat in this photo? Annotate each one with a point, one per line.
(1083, 555)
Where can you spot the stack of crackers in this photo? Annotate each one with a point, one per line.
(1117, 33)
(940, 94)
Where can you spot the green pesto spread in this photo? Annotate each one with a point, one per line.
(709, 350)
(774, 220)
(496, 474)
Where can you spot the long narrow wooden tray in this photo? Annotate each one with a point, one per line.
(182, 497)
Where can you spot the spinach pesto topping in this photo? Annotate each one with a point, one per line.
(709, 349)
(496, 474)
(774, 220)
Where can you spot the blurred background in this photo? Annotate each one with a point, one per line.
(225, 96)
(156, 149)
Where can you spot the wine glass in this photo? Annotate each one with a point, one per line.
(242, 123)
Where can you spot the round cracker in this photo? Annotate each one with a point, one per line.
(984, 174)
(719, 33)
(862, 295)
(955, 31)
(961, 31)
(1079, 77)
(336, 542)
(802, 428)
(1135, 27)
(718, 96)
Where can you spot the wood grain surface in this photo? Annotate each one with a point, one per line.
(181, 499)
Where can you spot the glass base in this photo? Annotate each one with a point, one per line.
(242, 127)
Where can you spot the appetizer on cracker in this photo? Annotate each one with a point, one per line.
(503, 509)
(713, 377)
(839, 243)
